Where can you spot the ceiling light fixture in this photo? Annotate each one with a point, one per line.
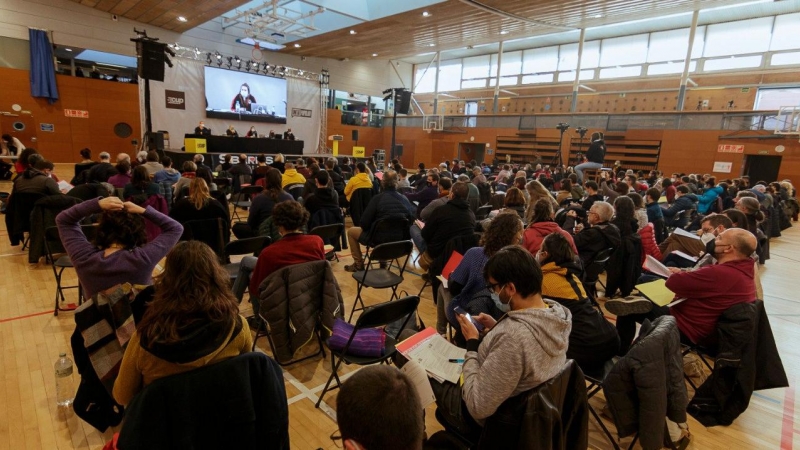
(597, 16)
(352, 31)
(68, 49)
(181, 19)
(426, 14)
(504, 32)
(431, 45)
(296, 45)
(374, 55)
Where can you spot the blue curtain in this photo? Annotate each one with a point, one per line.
(43, 72)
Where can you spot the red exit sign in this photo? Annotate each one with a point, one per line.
(730, 148)
(76, 113)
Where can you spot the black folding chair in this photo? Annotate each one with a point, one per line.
(591, 274)
(295, 190)
(60, 261)
(381, 278)
(249, 246)
(373, 317)
(329, 233)
(595, 384)
(483, 212)
(244, 200)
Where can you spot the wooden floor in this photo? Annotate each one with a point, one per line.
(31, 339)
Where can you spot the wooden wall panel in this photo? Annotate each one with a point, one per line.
(108, 103)
(368, 137)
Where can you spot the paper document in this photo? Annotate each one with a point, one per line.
(419, 378)
(443, 280)
(662, 199)
(684, 255)
(657, 292)
(64, 187)
(681, 232)
(655, 267)
(430, 350)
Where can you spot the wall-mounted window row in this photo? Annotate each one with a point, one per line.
(717, 47)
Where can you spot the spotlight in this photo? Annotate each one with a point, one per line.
(217, 55)
(238, 60)
(238, 63)
(264, 68)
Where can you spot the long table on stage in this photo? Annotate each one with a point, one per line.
(236, 145)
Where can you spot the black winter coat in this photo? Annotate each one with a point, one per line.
(387, 204)
(747, 360)
(647, 382)
(452, 219)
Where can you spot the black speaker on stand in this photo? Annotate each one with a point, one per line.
(355, 136)
(155, 141)
(151, 60)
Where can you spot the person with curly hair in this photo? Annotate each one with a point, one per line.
(193, 321)
(466, 284)
(294, 247)
(120, 252)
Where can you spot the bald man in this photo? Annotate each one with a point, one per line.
(708, 291)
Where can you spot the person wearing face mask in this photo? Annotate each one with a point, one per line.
(524, 348)
(706, 297)
(466, 284)
(201, 129)
(425, 195)
(593, 339)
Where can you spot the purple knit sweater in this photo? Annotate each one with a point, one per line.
(97, 272)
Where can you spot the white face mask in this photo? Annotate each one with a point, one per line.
(707, 237)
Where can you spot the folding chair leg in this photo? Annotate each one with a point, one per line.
(608, 434)
(357, 301)
(427, 283)
(636, 438)
(334, 374)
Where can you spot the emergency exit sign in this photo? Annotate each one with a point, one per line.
(730, 148)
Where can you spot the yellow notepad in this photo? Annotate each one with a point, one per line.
(656, 292)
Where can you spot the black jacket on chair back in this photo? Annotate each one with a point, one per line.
(452, 219)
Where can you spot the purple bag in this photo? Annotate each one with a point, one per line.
(369, 342)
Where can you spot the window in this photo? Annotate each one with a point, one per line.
(620, 72)
(533, 79)
(423, 84)
(785, 59)
(512, 64)
(475, 67)
(449, 75)
(471, 84)
(569, 56)
(741, 62)
(668, 45)
(540, 60)
(624, 50)
(509, 81)
(670, 67)
(784, 35)
(737, 38)
(570, 75)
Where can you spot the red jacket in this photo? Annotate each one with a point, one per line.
(535, 233)
(709, 292)
(649, 245)
(290, 249)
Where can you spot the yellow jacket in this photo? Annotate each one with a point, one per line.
(292, 177)
(358, 181)
(140, 367)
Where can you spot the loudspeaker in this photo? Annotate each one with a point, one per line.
(355, 135)
(150, 56)
(404, 102)
(398, 150)
(155, 141)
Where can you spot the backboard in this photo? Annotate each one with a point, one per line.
(788, 120)
(434, 122)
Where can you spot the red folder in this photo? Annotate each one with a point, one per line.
(452, 263)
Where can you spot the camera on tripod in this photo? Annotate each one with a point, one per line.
(562, 127)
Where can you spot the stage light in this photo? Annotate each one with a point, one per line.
(237, 59)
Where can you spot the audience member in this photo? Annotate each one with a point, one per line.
(536, 191)
(541, 225)
(360, 180)
(426, 195)
(591, 195)
(140, 184)
(36, 179)
(402, 182)
(684, 200)
(199, 205)
(167, 174)
(599, 236)
(366, 423)
(242, 170)
(193, 321)
(477, 176)
(450, 220)
(639, 210)
(123, 175)
(189, 173)
(652, 207)
(389, 204)
(102, 171)
(151, 163)
(120, 252)
(324, 197)
(445, 184)
(199, 162)
(335, 176)
(262, 205)
(278, 162)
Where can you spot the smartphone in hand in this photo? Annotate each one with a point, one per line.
(460, 311)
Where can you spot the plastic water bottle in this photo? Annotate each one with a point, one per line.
(65, 387)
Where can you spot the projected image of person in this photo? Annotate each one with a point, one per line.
(243, 99)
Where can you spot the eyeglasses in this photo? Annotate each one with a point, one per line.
(492, 286)
(592, 212)
(337, 439)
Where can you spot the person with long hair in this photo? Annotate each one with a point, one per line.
(466, 284)
(624, 265)
(193, 321)
(639, 210)
(243, 100)
(565, 194)
(541, 225)
(120, 252)
(140, 184)
(536, 191)
(593, 340)
(262, 205)
(278, 162)
(23, 160)
(200, 205)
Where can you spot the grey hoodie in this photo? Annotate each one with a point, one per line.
(523, 350)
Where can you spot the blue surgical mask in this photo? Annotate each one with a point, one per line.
(502, 307)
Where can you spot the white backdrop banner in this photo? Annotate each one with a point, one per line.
(187, 77)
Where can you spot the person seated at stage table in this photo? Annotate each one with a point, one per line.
(140, 184)
(252, 133)
(272, 134)
(288, 134)
(231, 132)
(202, 130)
(243, 99)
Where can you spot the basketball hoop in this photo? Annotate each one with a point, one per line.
(429, 130)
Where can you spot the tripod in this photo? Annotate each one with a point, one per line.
(563, 127)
